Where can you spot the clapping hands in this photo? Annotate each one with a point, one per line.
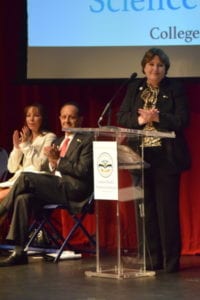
(148, 115)
(21, 137)
(53, 154)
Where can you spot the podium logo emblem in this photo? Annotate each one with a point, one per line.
(105, 164)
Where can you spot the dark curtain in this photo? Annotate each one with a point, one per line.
(16, 92)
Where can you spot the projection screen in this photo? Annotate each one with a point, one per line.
(83, 39)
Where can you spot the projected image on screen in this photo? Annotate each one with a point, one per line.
(106, 38)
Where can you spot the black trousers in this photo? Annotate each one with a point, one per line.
(161, 190)
(27, 196)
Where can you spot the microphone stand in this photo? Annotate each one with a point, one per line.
(108, 105)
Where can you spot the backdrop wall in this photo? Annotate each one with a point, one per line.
(15, 93)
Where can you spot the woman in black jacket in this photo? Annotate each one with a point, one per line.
(159, 103)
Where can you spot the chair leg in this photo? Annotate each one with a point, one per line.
(43, 226)
(53, 234)
(90, 238)
(70, 234)
(37, 230)
(58, 237)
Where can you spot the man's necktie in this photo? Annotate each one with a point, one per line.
(63, 149)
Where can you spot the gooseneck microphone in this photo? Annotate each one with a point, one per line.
(107, 107)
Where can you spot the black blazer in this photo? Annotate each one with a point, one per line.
(76, 169)
(174, 116)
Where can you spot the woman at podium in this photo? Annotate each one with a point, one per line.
(158, 103)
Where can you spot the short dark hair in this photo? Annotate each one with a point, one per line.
(74, 103)
(149, 55)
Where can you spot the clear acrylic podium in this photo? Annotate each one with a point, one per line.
(119, 201)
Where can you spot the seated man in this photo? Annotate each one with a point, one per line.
(68, 180)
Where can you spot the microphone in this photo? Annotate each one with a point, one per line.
(106, 108)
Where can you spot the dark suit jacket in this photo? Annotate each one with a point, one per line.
(174, 116)
(76, 169)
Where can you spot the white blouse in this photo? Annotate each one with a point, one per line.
(29, 156)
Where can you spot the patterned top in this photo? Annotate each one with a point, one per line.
(150, 97)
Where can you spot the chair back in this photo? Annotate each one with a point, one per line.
(3, 164)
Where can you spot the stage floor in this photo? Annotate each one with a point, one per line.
(67, 280)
